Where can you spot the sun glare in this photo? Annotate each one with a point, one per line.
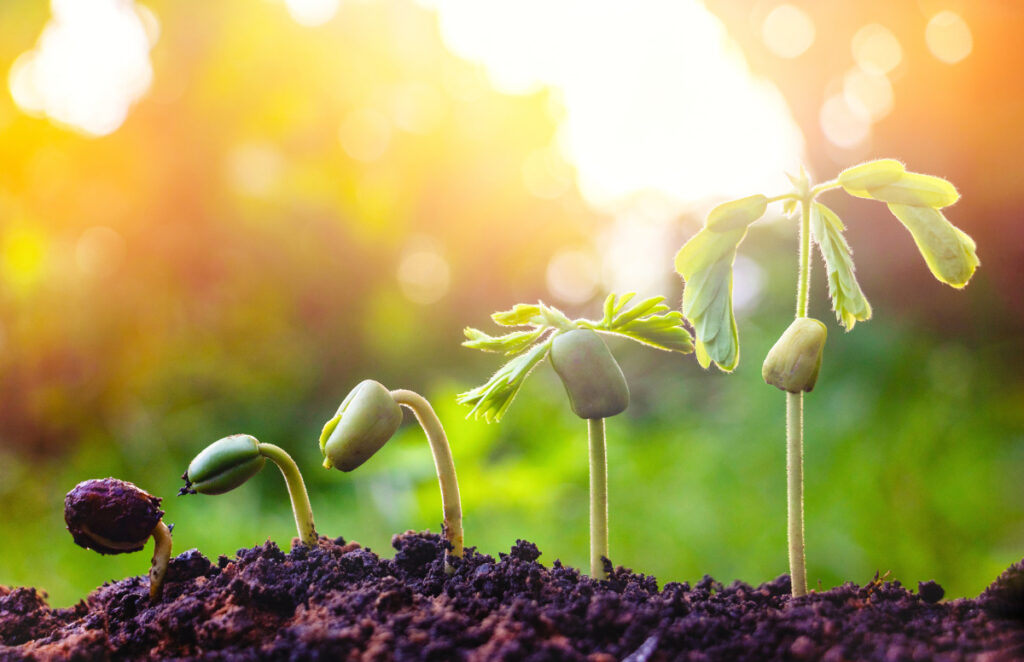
(656, 95)
(90, 64)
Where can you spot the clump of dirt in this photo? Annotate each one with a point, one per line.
(342, 601)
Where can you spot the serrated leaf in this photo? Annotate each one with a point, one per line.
(848, 301)
(705, 263)
(555, 318)
(510, 343)
(947, 250)
(651, 306)
(609, 309)
(492, 399)
(520, 315)
(913, 189)
(663, 331)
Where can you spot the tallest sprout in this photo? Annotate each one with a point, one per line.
(706, 261)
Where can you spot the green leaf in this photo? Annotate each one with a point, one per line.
(872, 174)
(521, 314)
(736, 214)
(510, 343)
(848, 300)
(492, 399)
(948, 251)
(705, 263)
(913, 189)
(555, 318)
(649, 322)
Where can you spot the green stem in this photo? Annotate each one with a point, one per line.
(296, 490)
(161, 559)
(795, 492)
(598, 498)
(451, 504)
(795, 424)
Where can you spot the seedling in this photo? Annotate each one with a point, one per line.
(592, 378)
(227, 463)
(706, 261)
(367, 418)
(112, 516)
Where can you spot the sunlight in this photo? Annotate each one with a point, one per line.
(656, 95)
(90, 64)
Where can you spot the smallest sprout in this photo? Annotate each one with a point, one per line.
(227, 463)
(367, 418)
(112, 516)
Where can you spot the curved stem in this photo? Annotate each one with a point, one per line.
(795, 492)
(296, 490)
(451, 504)
(161, 559)
(598, 498)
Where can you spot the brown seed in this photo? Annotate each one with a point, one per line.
(111, 516)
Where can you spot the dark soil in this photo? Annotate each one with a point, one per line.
(343, 602)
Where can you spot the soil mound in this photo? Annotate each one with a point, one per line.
(341, 601)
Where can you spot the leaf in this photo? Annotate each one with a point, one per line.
(914, 189)
(652, 306)
(556, 318)
(705, 263)
(662, 331)
(736, 214)
(510, 343)
(493, 398)
(520, 315)
(871, 174)
(947, 250)
(848, 300)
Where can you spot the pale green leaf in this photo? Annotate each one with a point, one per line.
(848, 301)
(871, 174)
(510, 343)
(521, 314)
(705, 263)
(948, 251)
(912, 189)
(491, 400)
(736, 214)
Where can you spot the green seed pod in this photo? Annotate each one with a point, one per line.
(111, 516)
(736, 214)
(592, 378)
(366, 419)
(871, 174)
(793, 362)
(223, 465)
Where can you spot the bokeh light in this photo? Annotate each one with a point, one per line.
(90, 64)
(423, 273)
(312, 13)
(949, 37)
(868, 94)
(876, 49)
(365, 135)
(788, 31)
(99, 252)
(573, 275)
(844, 126)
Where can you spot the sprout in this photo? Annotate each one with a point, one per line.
(112, 516)
(705, 263)
(227, 463)
(367, 418)
(592, 378)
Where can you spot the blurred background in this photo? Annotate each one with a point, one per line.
(218, 217)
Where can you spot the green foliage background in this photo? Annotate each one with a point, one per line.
(234, 314)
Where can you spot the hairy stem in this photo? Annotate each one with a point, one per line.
(795, 491)
(451, 504)
(161, 559)
(804, 285)
(598, 498)
(296, 490)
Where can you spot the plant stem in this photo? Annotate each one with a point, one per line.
(161, 559)
(598, 498)
(795, 425)
(795, 492)
(296, 490)
(451, 504)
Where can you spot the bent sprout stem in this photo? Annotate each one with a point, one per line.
(161, 559)
(296, 491)
(451, 503)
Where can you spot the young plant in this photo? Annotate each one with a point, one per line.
(592, 378)
(112, 516)
(367, 418)
(227, 463)
(706, 262)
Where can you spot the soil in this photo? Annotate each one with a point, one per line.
(341, 601)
